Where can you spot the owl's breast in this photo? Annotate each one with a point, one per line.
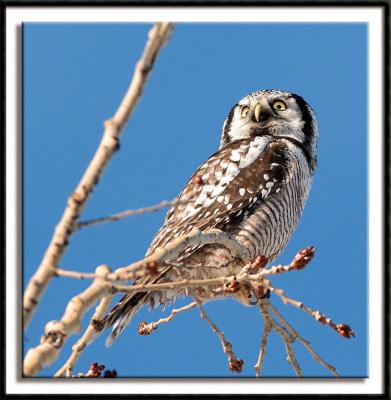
(269, 226)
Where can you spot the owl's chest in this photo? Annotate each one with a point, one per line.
(268, 227)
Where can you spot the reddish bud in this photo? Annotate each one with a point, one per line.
(345, 331)
(110, 374)
(236, 365)
(303, 257)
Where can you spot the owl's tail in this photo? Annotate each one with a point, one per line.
(123, 312)
(120, 316)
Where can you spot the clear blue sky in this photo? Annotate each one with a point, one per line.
(74, 77)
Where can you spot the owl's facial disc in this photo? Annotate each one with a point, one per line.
(273, 113)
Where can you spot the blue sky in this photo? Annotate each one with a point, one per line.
(74, 76)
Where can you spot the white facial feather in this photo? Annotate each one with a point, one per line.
(289, 122)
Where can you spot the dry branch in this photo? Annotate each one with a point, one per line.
(137, 211)
(235, 364)
(287, 338)
(127, 213)
(195, 238)
(158, 35)
(57, 332)
(164, 255)
(105, 285)
(343, 329)
(146, 329)
(305, 342)
(89, 335)
(267, 328)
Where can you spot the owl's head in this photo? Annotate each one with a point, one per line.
(274, 113)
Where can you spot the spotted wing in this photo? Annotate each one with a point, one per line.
(226, 187)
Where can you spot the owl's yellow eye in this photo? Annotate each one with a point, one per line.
(279, 105)
(245, 110)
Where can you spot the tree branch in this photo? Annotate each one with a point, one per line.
(287, 338)
(158, 35)
(305, 343)
(235, 364)
(267, 328)
(137, 211)
(146, 329)
(89, 335)
(57, 332)
(127, 213)
(105, 284)
(343, 329)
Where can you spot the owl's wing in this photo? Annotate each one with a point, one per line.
(225, 188)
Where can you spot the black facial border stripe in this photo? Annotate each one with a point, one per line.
(228, 123)
(307, 128)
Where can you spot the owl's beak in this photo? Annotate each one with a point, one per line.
(257, 112)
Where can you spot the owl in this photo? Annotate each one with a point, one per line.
(254, 188)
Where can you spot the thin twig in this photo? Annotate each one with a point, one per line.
(235, 364)
(158, 35)
(172, 250)
(286, 337)
(267, 328)
(194, 238)
(138, 211)
(146, 329)
(343, 329)
(127, 213)
(305, 342)
(89, 335)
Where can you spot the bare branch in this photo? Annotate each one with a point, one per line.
(288, 339)
(235, 364)
(267, 328)
(164, 255)
(57, 332)
(305, 342)
(343, 329)
(74, 274)
(176, 247)
(158, 35)
(146, 329)
(127, 213)
(138, 211)
(89, 335)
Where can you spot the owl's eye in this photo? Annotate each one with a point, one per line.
(244, 111)
(279, 105)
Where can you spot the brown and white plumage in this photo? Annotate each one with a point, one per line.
(254, 187)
